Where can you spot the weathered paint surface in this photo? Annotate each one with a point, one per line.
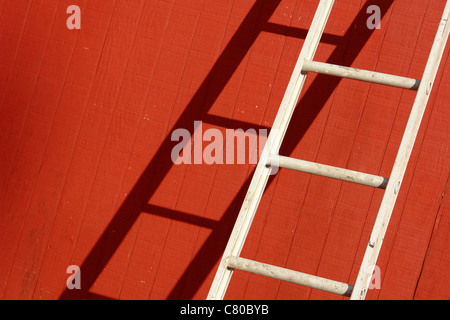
(86, 176)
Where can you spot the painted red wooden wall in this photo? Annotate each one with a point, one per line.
(86, 176)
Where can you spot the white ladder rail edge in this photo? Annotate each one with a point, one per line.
(406, 146)
(262, 173)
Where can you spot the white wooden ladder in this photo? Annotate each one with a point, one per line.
(269, 159)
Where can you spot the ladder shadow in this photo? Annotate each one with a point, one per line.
(320, 90)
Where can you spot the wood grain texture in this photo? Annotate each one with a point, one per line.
(86, 176)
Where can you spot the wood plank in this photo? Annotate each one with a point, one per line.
(20, 132)
(434, 281)
(63, 214)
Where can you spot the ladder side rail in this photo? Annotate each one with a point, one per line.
(402, 159)
(273, 144)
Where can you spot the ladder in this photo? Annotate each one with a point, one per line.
(270, 160)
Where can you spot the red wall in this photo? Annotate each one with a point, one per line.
(86, 176)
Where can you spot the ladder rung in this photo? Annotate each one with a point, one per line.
(329, 171)
(363, 75)
(288, 275)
